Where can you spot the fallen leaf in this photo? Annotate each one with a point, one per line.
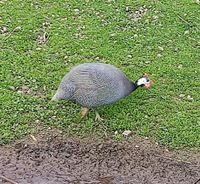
(127, 133)
(160, 48)
(11, 87)
(147, 62)
(181, 95)
(24, 88)
(76, 11)
(159, 55)
(186, 32)
(180, 66)
(189, 98)
(127, 9)
(33, 137)
(4, 30)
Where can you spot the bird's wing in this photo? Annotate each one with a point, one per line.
(92, 85)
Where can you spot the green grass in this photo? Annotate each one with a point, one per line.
(165, 42)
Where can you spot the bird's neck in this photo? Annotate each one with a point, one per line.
(134, 86)
(130, 87)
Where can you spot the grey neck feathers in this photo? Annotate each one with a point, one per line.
(130, 87)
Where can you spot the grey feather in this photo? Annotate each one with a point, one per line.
(94, 84)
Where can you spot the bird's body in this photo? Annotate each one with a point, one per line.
(94, 85)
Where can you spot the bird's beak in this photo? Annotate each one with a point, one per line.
(148, 85)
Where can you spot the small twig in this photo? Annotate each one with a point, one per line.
(197, 181)
(8, 180)
(188, 23)
(33, 137)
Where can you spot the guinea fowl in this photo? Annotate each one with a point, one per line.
(97, 84)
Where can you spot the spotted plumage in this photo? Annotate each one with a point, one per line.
(94, 85)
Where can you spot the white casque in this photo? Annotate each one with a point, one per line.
(143, 81)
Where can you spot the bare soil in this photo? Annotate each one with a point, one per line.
(52, 158)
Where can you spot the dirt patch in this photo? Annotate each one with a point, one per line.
(138, 14)
(55, 159)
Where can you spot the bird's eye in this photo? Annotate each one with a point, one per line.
(147, 80)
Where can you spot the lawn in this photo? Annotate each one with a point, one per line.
(40, 41)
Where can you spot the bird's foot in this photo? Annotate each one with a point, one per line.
(84, 112)
(98, 117)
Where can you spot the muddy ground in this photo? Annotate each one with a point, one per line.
(54, 159)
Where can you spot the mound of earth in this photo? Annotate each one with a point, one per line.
(55, 159)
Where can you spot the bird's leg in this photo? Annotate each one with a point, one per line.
(98, 117)
(84, 112)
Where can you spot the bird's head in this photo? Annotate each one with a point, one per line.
(144, 81)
